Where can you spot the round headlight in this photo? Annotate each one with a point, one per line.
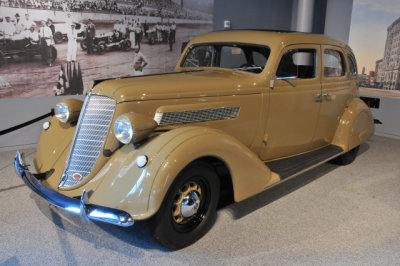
(123, 129)
(61, 111)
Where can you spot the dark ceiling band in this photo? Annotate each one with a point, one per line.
(11, 129)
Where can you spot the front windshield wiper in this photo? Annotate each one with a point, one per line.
(192, 62)
(249, 68)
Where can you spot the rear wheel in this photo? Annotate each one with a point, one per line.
(189, 208)
(2, 59)
(58, 37)
(347, 158)
(101, 48)
(83, 45)
(152, 40)
(127, 45)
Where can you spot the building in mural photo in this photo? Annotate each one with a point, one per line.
(389, 76)
(375, 39)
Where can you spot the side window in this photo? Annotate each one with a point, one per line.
(297, 63)
(259, 59)
(232, 57)
(352, 66)
(333, 63)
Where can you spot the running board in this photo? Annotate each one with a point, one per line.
(290, 167)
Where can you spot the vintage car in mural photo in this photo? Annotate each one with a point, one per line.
(104, 42)
(242, 112)
(61, 29)
(27, 49)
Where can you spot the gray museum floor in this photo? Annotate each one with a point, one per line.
(329, 215)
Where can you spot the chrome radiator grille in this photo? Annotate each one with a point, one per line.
(94, 123)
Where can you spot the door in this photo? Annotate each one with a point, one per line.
(294, 103)
(336, 91)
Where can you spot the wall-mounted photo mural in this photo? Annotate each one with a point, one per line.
(59, 47)
(375, 39)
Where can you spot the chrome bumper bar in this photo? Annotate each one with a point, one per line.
(72, 205)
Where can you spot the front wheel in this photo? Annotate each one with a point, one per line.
(189, 208)
(347, 158)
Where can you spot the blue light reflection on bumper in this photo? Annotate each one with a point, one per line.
(74, 210)
(72, 205)
(99, 214)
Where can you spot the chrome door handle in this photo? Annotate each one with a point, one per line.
(320, 95)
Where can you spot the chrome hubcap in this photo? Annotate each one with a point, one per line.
(190, 204)
(187, 203)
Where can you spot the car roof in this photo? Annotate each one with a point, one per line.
(267, 37)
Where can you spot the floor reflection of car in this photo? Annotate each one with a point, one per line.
(61, 29)
(114, 40)
(24, 47)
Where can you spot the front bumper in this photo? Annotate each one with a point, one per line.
(82, 207)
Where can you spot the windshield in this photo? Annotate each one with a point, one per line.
(244, 57)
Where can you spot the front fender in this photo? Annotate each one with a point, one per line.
(356, 125)
(140, 191)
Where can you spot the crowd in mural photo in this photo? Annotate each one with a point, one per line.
(60, 47)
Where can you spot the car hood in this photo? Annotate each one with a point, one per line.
(189, 84)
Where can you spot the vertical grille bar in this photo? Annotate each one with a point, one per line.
(92, 130)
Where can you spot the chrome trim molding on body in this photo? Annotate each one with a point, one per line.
(91, 132)
(190, 116)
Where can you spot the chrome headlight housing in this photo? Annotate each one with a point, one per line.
(68, 110)
(133, 127)
(123, 130)
(61, 111)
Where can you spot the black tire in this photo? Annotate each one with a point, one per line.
(197, 185)
(151, 40)
(127, 45)
(58, 37)
(2, 59)
(46, 57)
(346, 158)
(101, 48)
(83, 45)
(54, 54)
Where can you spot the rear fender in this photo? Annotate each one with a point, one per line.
(356, 126)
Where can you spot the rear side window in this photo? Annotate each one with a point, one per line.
(297, 63)
(333, 63)
(352, 65)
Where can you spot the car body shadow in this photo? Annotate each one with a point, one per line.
(247, 206)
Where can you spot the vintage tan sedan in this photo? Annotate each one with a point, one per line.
(242, 112)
